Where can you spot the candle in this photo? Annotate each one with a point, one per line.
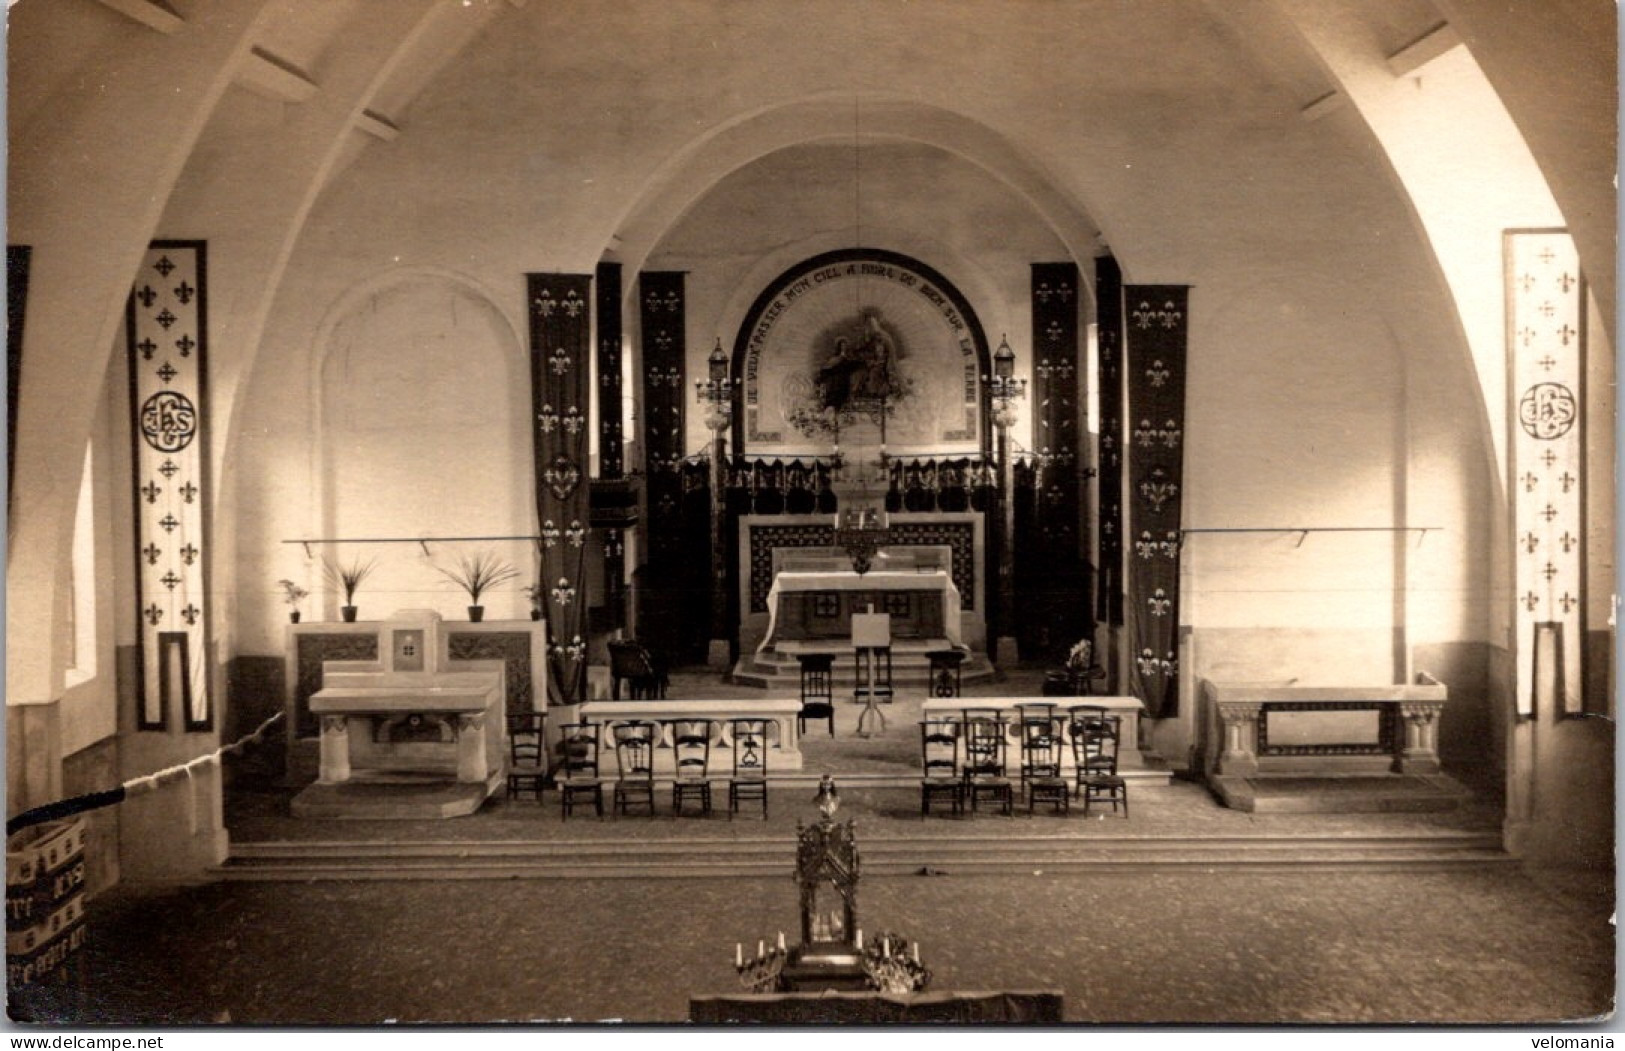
(885, 946)
(761, 949)
(916, 952)
(781, 941)
(860, 938)
(739, 955)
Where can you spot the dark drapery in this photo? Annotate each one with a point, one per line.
(1156, 319)
(1109, 335)
(560, 326)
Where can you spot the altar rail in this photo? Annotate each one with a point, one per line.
(1128, 709)
(784, 740)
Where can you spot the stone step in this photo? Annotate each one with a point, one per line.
(927, 854)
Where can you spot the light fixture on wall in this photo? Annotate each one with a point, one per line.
(715, 392)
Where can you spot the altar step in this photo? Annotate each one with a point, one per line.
(933, 853)
(911, 669)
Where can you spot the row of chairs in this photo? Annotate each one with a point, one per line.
(580, 778)
(965, 760)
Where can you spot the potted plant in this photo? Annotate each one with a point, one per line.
(476, 575)
(349, 578)
(534, 592)
(291, 594)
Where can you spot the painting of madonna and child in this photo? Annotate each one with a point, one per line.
(850, 362)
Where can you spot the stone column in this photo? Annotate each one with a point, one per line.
(335, 749)
(1240, 755)
(1420, 753)
(471, 761)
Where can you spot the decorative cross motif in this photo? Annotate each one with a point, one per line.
(1547, 308)
(169, 580)
(169, 523)
(1547, 363)
(166, 372)
(1550, 513)
(1549, 572)
(163, 265)
(1548, 457)
(165, 318)
(168, 469)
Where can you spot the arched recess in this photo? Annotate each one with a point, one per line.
(422, 389)
(910, 281)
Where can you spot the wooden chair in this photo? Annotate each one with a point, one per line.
(527, 755)
(1039, 739)
(945, 671)
(748, 780)
(939, 761)
(817, 690)
(631, 661)
(634, 765)
(579, 767)
(1095, 738)
(691, 757)
(984, 768)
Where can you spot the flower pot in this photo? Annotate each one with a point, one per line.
(294, 616)
(348, 613)
(476, 614)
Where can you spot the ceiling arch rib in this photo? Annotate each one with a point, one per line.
(730, 147)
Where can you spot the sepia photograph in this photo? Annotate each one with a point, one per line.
(811, 513)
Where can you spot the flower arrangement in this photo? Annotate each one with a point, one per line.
(349, 578)
(535, 592)
(1081, 655)
(477, 574)
(291, 594)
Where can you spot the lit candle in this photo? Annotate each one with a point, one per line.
(739, 955)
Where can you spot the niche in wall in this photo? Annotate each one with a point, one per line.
(424, 394)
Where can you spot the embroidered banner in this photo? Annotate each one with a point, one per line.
(664, 347)
(560, 322)
(1154, 355)
(1546, 338)
(1060, 611)
(1109, 337)
(165, 326)
(611, 443)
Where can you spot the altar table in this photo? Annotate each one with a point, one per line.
(467, 704)
(819, 605)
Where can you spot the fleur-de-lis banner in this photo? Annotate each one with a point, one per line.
(560, 327)
(611, 442)
(1053, 571)
(661, 307)
(1546, 320)
(1155, 325)
(1109, 333)
(166, 329)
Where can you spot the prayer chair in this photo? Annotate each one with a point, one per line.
(945, 672)
(579, 765)
(984, 768)
(635, 766)
(939, 760)
(691, 757)
(1095, 739)
(631, 661)
(527, 755)
(817, 690)
(1039, 740)
(748, 781)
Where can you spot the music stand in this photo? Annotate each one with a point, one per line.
(871, 633)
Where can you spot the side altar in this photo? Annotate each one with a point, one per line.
(411, 734)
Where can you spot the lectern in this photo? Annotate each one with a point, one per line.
(871, 640)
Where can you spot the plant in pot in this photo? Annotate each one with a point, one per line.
(349, 576)
(291, 594)
(477, 574)
(534, 592)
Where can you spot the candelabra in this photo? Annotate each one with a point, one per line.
(761, 973)
(715, 394)
(1004, 390)
(893, 964)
